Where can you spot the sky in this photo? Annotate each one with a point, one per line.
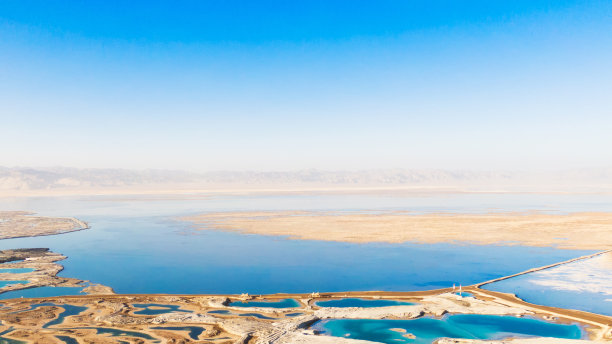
(287, 85)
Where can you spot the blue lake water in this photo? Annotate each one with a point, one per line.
(16, 271)
(285, 303)
(135, 245)
(365, 303)
(427, 330)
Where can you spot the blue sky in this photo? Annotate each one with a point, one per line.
(282, 85)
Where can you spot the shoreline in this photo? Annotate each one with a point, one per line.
(26, 224)
(434, 302)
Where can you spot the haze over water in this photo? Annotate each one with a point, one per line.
(136, 245)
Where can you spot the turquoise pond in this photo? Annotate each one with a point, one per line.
(365, 303)
(136, 244)
(16, 271)
(6, 283)
(41, 292)
(427, 330)
(285, 303)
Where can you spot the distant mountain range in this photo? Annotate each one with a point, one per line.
(62, 178)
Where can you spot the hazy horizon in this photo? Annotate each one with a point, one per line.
(330, 85)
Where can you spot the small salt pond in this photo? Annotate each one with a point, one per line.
(7, 283)
(68, 311)
(285, 303)
(67, 339)
(156, 309)
(427, 330)
(16, 271)
(113, 332)
(40, 292)
(256, 315)
(364, 303)
(293, 314)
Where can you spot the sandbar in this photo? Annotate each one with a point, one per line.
(586, 230)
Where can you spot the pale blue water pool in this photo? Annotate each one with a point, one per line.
(7, 283)
(285, 303)
(16, 271)
(156, 309)
(427, 330)
(41, 292)
(365, 303)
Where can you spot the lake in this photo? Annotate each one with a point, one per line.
(136, 245)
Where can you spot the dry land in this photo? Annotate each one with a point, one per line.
(120, 313)
(45, 266)
(589, 231)
(16, 224)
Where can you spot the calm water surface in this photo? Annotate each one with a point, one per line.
(136, 245)
(364, 303)
(584, 285)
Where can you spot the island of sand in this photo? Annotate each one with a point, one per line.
(17, 224)
(587, 231)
